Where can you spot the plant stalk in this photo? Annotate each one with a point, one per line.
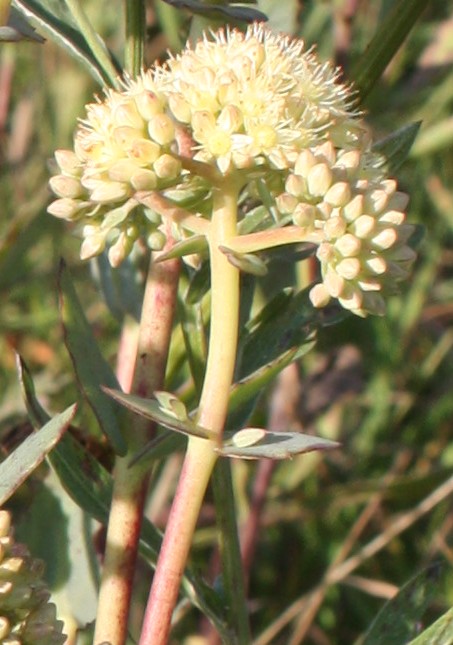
(130, 484)
(201, 455)
(135, 21)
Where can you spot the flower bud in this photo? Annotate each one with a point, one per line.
(68, 162)
(319, 180)
(65, 186)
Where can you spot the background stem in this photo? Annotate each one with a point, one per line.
(130, 484)
(135, 20)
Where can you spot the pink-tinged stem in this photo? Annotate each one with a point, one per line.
(201, 456)
(130, 484)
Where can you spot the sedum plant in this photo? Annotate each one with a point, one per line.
(242, 143)
(230, 114)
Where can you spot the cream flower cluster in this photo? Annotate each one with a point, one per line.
(242, 100)
(125, 145)
(357, 218)
(257, 98)
(26, 615)
(240, 106)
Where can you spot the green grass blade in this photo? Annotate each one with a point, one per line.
(387, 40)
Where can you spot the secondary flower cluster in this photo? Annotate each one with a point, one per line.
(356, 216)
(123, 146)
(240, 106)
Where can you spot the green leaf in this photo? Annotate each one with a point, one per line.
(286, 322)
(194, 340)
(396, 146)
(246, 262)
(90, 485)
(199, 284)
(387, 40)
(193, 244)
(440, 632)
(399, 618)
(17, 29)
(87, 482)
(122, 291)
(15, 469)
(90, 367)
(152, 409)
(55, 21)
(256, 443)
(241, 14)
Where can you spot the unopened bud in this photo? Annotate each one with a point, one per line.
(64, 186)
(339, 194)
(319, 180)
(348, 245)
(161, 129)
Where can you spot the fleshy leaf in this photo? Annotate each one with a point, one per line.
(399, 618)
(193, 244)
(90, 367)
(15, 469)
(170, 404)
(246, 262)
(256, 443)
(151, 409)
(440, 632)
(396, 146)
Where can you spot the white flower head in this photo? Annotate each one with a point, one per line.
(257, 98)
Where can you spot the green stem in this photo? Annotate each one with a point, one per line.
(201, 456)
(230, 551)
(135, 19)
(94, 41)
(130, 484)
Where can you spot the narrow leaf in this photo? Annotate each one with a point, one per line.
(193, 244)
(242, 14)
(86, 481)
(387, 40)
(440, 632)
(256, 443)
(54, 20)
(90, 367)
(151, 409)
(90, 485)
(396, 146)
(194, 340)
(399, 618)
(122, 292)
(17, 28)
(286, 322)
(15, 469)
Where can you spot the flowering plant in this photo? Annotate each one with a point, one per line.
(243, 144)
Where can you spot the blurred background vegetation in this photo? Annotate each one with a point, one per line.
(383, 387)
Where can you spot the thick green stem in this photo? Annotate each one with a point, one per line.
(201, 455)
(130, 484)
